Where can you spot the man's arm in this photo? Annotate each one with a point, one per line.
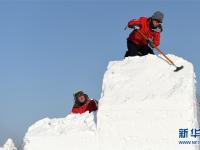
(156, 39)
(134, 22)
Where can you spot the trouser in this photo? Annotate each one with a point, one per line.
(135, 50)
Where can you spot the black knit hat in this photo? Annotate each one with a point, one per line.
(158, 15)
(78, 94)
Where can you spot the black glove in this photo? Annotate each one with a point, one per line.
(150, 42)
(136, 27)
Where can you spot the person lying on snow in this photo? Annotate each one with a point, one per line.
(83, 103)
(151, 27)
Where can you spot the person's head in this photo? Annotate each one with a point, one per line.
(80, 96)
(156, 23)
(157, 18)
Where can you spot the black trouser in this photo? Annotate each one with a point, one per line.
(135, 50)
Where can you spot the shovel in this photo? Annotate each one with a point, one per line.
(162, 53)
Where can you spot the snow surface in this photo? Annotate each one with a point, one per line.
(143, 105)
(9, 145)
(72, 132)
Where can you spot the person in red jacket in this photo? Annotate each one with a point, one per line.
(83, 103)
(151, 27)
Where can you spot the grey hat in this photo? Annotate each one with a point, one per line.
(158, 16)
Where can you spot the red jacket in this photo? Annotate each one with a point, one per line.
(144, 24)
(90, 105)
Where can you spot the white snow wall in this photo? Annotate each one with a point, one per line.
(143, 105)
(74, 132)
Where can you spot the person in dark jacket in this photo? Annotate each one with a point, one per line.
(151, 27)
(83, 103)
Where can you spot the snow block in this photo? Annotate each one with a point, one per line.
(144, 104)
(73, 132)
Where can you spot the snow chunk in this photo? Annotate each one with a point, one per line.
(144, 104)
(72, 132)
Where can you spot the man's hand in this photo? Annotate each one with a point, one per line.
(150, 42)
(136, 27)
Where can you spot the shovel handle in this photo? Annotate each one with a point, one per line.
(165, 56)
(161, 52)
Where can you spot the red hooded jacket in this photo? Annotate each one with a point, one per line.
(90, 105)
(144, 24)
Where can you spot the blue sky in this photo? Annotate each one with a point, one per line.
(48, 49)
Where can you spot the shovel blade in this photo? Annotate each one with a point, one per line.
(178, 68)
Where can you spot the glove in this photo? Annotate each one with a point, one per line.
(150, 42)
(136, 27)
